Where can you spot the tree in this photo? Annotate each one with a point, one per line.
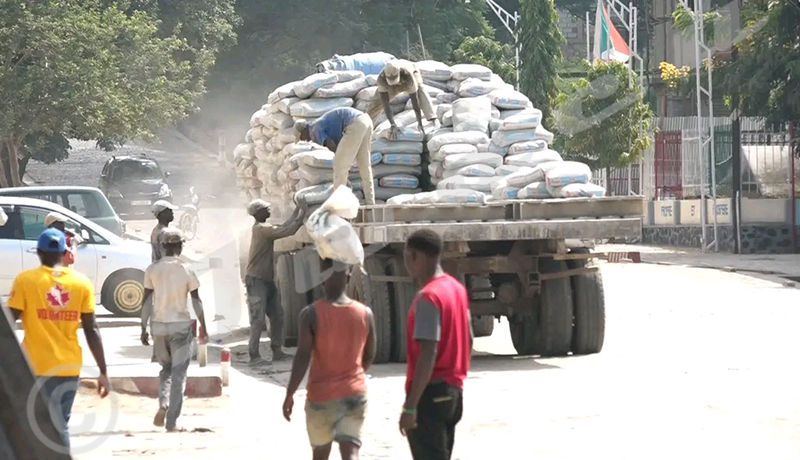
(541, 40)
(604, 122)
(76, 69)
(490, 53)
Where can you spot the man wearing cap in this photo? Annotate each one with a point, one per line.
(53, 302)
(58, 221)
(163, 210)
(348, 133)
(259, 278)
(400, 76)
(171, 283)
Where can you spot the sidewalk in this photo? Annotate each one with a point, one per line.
(766, 264)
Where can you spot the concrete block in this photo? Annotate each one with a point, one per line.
(196, 387)
(723, 210)
(690, 212)
(666, 212)
(765, 210)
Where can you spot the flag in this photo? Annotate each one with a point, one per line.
(608, 43)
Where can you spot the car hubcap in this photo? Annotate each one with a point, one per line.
(129, 295)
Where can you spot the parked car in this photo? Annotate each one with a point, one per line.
(133, 183)
(115, 266)
(88, 202)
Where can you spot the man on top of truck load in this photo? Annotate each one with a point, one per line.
(348, 133)
(401, 76)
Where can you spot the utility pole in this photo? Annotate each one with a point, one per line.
(736, 166)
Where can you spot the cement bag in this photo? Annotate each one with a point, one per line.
(248, 137)
(334, 237)
(447, 118)
(476, 170)
(446, 98)
(318, 159)
(341, 203)
(408, 159)
(372, 79)
(279, 121)
(464, 137)
(284, 104)
(343, 76)
(481, 184)
(527, 147)
(386, 146)
(318, 107)
(363, 105)
(472, 114)
(453, 149)
(255, 119)
(411, 134)
(494, 124)
(282, 92)
(544, 134)
(463, 71)
(577, 190)
(440, 85)
(407, 198)
(368, 94)
(502, 151)
(460, 160)
(243, 152)
(316, 176)
(442, 109)
(382, 170)
(286, 136)
(534, 191)
(509, 99)
(504, 192)
(506, 138)
(455, 196)
(435, 169)
(399, 181)
(346, 89)
(434, 70)
(533, 159)
(524, 177)
(505, 170)
(300, 146)
(529, 119)
(386, 193)
(567, 172)
(311, 83)
(473, 87)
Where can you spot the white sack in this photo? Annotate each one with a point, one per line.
(567, 172)
(243, 152)
(533, 159)
(481, 184)
(464, 71)
(408, 159)
(476, 170)
(473, 87)
(528, 119)
(312, 83)
(368, 94)
(460, 160)
(279, 121)
(284, 104)
(577, 190)
(533, 191)
(335, 238)
(465, 137)
(509, 99)
(255, 119)
(434, 70)
(386, 146)
(472, 114)
(527, 147)
(343, 76)
(346, 89)
(453, 149)
(318, 107)
(446, 98)
(406, 181)
(282, 92)
(505, 170)
(372, 79)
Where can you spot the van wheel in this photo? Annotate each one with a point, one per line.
(123, 292)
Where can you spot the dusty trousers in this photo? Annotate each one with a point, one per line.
(355, 145)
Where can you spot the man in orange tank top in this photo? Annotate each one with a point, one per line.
(337, 338)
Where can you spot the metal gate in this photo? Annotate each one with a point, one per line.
(667, 165)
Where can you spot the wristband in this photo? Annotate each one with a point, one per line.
(412, 411)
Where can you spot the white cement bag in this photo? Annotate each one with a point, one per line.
(408, 159)
(342, 203)
(474, 87)
(248, 137)
(505, 170)
(524, 177)
(346, 89)
(279, 121)
(529, 119)
(409, 134)
(464, 137)
(406, 181)
(382, 170)
(343, 76)
(442, 109)
(386, 146)
(481, 184)
(509, 99)
(504, 192)
(363, 105)
(372, 79)
(334, 238)
(284, 104)
(434, 70)
(526, 147)
(494, 124)
(300, 146)
(534, 191)
(506, 138)
(318, 159)
(435, 169)
(255, 119)
(463, 71)
(311, 83)
(286, 136)
(567, 172)
(577, 190)
(460, 160)
(368, 94)
(453, 149)
(544, 134)
(316, 176)
(446, 98)
(282, 92)
(476, 170)
(440, 85)
(496, 149)
(472, 114)
(533, 159)
(447, 119)
(318, 107)
(387, 193)
(259, 133)
(243, 152)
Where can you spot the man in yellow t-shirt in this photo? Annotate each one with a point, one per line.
(53, 301)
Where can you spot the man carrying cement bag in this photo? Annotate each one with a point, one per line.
(348, 133)
(333, 235)
(400, 76)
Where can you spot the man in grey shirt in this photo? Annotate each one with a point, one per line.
(259, 278)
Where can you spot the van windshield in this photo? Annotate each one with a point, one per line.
(136, 170)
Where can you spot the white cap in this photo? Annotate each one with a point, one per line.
(52, 218)
(257, 205)
(392, 72)
(162, 205)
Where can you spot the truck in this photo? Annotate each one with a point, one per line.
(529, 261)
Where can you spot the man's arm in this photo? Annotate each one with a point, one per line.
(427, 332)
(305, 343)
(92, 332)
(197, 304)
(331, 145)
(147, 307)
(415, 105)
(369, 347)
(387, 108)
(293, 224)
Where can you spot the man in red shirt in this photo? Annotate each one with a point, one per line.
(439, 338)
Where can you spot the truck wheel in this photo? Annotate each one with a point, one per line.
(375, 294)
(548, 332)
(288, 298)
(483, 326)
(589, 305)
(122, 293)
(402, 297)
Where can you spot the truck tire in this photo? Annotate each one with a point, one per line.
(375, 294)
(589, 310)
(548, 332)
(483, 326)
(402, 297)
(288, 297)
(122, 293)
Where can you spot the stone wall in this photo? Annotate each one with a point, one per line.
(574, 31)
(756, 239)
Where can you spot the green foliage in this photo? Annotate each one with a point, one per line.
(683, 20)
(603, 121)
(540, 58)
(490, 53)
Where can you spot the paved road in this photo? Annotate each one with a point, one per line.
(697, 364)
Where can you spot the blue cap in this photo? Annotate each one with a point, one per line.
(52, 240)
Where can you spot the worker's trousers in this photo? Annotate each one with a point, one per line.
(355, 145)
(172, 343)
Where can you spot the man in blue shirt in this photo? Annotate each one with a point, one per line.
(348, 133)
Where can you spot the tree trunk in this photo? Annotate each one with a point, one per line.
(23, 166)
(3, 175)
(13, 161)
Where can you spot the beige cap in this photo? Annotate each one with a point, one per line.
(257, 205)
(171, 236)
(162, 205)
(392, 72)
(52, 218)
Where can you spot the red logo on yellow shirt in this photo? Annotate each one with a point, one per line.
(57, 297)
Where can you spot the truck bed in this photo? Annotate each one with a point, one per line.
(563, 218)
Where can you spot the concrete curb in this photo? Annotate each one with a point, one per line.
(716, 267)
(196, 387)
